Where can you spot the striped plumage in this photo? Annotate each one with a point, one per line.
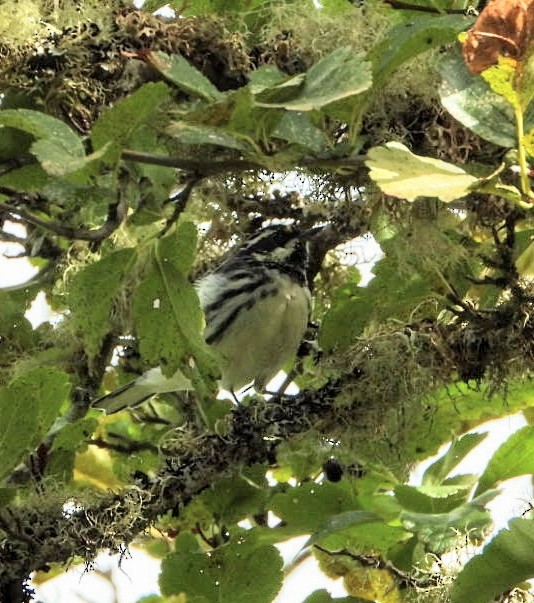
(257, 305)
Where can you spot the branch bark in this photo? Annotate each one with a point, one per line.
(39, 532)
(400, 5)
(116, 214)
(200, 168)
(211, 168)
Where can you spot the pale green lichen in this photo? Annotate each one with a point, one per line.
(19, 21)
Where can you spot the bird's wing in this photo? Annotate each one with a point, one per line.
(134, 393)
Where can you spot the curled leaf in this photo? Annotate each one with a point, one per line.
(505, 28)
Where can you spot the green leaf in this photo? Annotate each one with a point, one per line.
(407, 555)
(66, 193)
(117, 124)
(431, 499)
(514, 457)
(28, 408)
(249, 12)
(394, 292)
(341, 74)
(16, 332)
(30, 178)
(282, 91)
(266, 76)
(72, 438)
(525, 262)
(166, 309)
(504, 563)
(198, 134)
(470, 100)
(323, 596)
(340, 522)
(153, 599)
(183, 75)
(501, 78)
(91, 296)
(187, 543)
(528, 142)
(409, 39)
(459, 448)
(240, 571)
(242, 118)
(298, 458)
(525, 79)
(179, 248)
(440, 532)
(400, 173)
(43, 126)
(379, 536)
(148, 185)
(7, 495)
(310, 506)
(338, 328)
(297, 128)
(463, 479)
(58, 148)
(234, 498)
(167, 316)
(58, 160)
(465, 410)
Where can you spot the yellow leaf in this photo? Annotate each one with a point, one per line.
(528, 142)
(501, 79)
(525, 262)
(94, 467)
(55, 570)
(400, 173)
(372, 584)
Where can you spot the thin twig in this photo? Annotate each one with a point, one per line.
(7, 237)
(180, 200)
(200, 168)
(203, 168)
(116, 214)
(398, 4)
(405, 579)
(127, 447)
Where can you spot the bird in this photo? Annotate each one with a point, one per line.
(257, 306)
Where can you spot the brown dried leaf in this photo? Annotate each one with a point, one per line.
(503, 28)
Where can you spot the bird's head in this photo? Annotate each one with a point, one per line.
(279, 244)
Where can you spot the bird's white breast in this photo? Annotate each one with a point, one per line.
(265, 337)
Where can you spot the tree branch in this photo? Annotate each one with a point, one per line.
(399, 4)
(40, 532)
(116, 214)
(200, 168)
(126, 446)
(7, 237)
(179, 201)
(211, 168)
(405, 579)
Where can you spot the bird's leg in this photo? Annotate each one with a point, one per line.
(283, 386)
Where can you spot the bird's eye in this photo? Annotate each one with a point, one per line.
(281, 237)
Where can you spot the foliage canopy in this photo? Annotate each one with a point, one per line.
(136, 150)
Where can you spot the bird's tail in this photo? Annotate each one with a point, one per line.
(134, 393)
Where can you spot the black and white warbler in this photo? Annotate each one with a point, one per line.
(257, 305)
